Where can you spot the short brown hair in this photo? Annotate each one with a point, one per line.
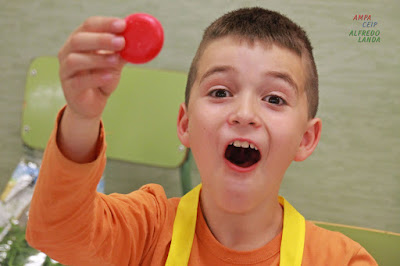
(258, 24)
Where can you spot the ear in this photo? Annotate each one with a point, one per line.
(310, 139)
(183, 125)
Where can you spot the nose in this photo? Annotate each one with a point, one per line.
(245, 112)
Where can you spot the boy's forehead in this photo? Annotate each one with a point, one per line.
(218, 55)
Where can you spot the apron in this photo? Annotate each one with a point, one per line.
(293, 233)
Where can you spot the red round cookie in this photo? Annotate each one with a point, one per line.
(144, 38)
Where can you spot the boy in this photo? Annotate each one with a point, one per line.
(249, 111)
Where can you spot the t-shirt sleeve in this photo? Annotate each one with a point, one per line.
(362, 258)
(72, 223)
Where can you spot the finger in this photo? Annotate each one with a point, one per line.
(92, 42)
(103, 24)
(102, 80)
(77, 62)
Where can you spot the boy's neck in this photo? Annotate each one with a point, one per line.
(244, 232)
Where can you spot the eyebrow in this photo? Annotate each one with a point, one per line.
(274, 74)
(285, 77)
(215, 70)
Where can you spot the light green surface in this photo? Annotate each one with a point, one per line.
(383, 246)
(43, 98)
(140, 117)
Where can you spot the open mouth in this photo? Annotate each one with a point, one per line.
(242, 153)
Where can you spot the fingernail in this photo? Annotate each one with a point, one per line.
(119, 24)
(118, 41)
(112, 59)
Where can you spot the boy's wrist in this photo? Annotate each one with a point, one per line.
(78, 118)
(78, 137)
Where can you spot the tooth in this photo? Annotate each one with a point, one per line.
(255, 148)
(236, 143)
(245, 144)
(252, 145)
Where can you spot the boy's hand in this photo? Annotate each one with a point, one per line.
(90, 65)
(90, 69)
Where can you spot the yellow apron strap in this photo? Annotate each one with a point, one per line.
(184, 228)
(293, 235)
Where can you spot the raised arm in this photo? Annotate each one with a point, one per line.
(90, 69)
(67, 218)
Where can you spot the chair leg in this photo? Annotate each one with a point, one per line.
(185, 173)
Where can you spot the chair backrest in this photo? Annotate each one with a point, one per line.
(383, 246)
(140, 117)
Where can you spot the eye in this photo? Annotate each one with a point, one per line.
(276, 100)
(220, 93)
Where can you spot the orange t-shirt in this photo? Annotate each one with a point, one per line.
(72, 223)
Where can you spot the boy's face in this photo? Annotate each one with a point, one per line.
(248, 95)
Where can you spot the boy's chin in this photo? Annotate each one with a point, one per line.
(237, 207)
(238, 199)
